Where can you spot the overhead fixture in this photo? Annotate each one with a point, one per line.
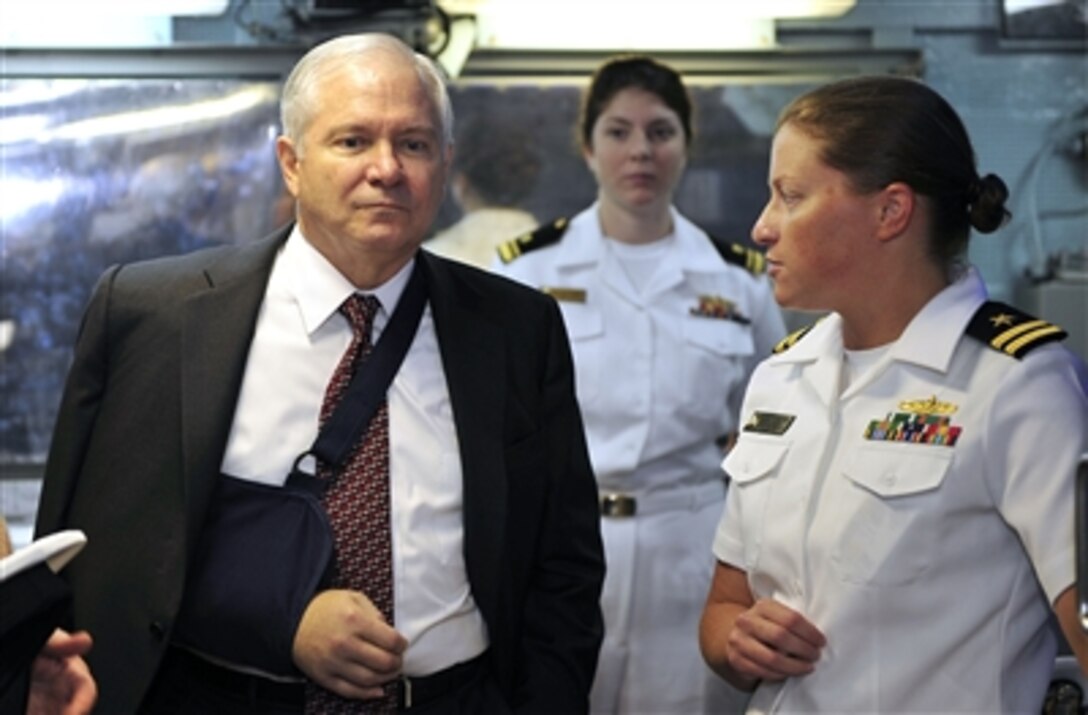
(77, 23)
(140, 8)
(581, 25)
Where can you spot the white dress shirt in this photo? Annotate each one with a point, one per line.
(300, 338)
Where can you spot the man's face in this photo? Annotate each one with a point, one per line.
(370, 168)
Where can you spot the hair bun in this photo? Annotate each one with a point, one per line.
(986, 203)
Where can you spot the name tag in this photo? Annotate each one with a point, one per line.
(570, 295)
(769, 423)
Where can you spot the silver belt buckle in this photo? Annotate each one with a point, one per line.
(618, 505)
(406, 691)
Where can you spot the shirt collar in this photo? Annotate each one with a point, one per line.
(932, 335)
(583, 241)
(319, 288)
(585, 244)
(929, 339)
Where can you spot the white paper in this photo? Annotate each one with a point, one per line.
(55, 549)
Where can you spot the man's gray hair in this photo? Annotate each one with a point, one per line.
(297, 100)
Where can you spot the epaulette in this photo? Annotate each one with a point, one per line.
(543, 236)
(1011, 331)
(749, 259)
(790, 340)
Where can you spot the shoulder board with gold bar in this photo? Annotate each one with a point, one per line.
(790, 340)
(1011, 331)
(543, 236)
(747, 258)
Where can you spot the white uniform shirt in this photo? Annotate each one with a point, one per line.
(930, 568)
(656, 383)
(299, 340)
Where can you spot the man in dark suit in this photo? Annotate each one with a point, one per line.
(193, 369)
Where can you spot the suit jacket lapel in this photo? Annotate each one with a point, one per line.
(468, 343)
(217, 328)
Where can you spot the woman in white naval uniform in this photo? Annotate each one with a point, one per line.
(901, 516)
(665, 333)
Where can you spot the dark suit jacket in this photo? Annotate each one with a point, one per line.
(143, 426)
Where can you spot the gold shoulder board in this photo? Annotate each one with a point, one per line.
(546, 235)
(790, 340)
(747, 258)
(1011, 331)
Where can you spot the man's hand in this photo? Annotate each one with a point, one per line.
(344, 645)
(60, 681)
(771, 642)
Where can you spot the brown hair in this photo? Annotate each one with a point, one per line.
(499, 161)
(638, 72)
(881, 129)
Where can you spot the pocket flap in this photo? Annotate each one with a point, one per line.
(893, 472)
(582, 321)
(753, 458)
(719, 336)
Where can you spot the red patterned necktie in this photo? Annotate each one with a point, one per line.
(357, 501)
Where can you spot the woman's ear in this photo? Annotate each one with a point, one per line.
(590, 159)
(896, 202)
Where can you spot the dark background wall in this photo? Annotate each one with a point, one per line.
(115, 154)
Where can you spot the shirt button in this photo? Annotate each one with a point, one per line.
(888, 479)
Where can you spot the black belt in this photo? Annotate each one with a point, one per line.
(412, 691)
(418, 690)
(253, 688)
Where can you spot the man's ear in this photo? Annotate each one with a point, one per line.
(287, 156)
(896, 203)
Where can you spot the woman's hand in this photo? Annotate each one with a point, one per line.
(770, 641)
(746, 641)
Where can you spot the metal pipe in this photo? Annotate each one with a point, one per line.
(1082, 540)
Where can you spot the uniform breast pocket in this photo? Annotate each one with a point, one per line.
(890, 523)
(715, 353)
(585, 328)
(752, 466)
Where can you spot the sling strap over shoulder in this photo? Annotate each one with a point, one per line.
(367, 388)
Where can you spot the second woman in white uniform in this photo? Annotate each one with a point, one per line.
(666, 326)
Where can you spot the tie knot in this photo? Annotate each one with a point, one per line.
(360, 311)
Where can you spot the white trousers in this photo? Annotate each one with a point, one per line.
(660, 565)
